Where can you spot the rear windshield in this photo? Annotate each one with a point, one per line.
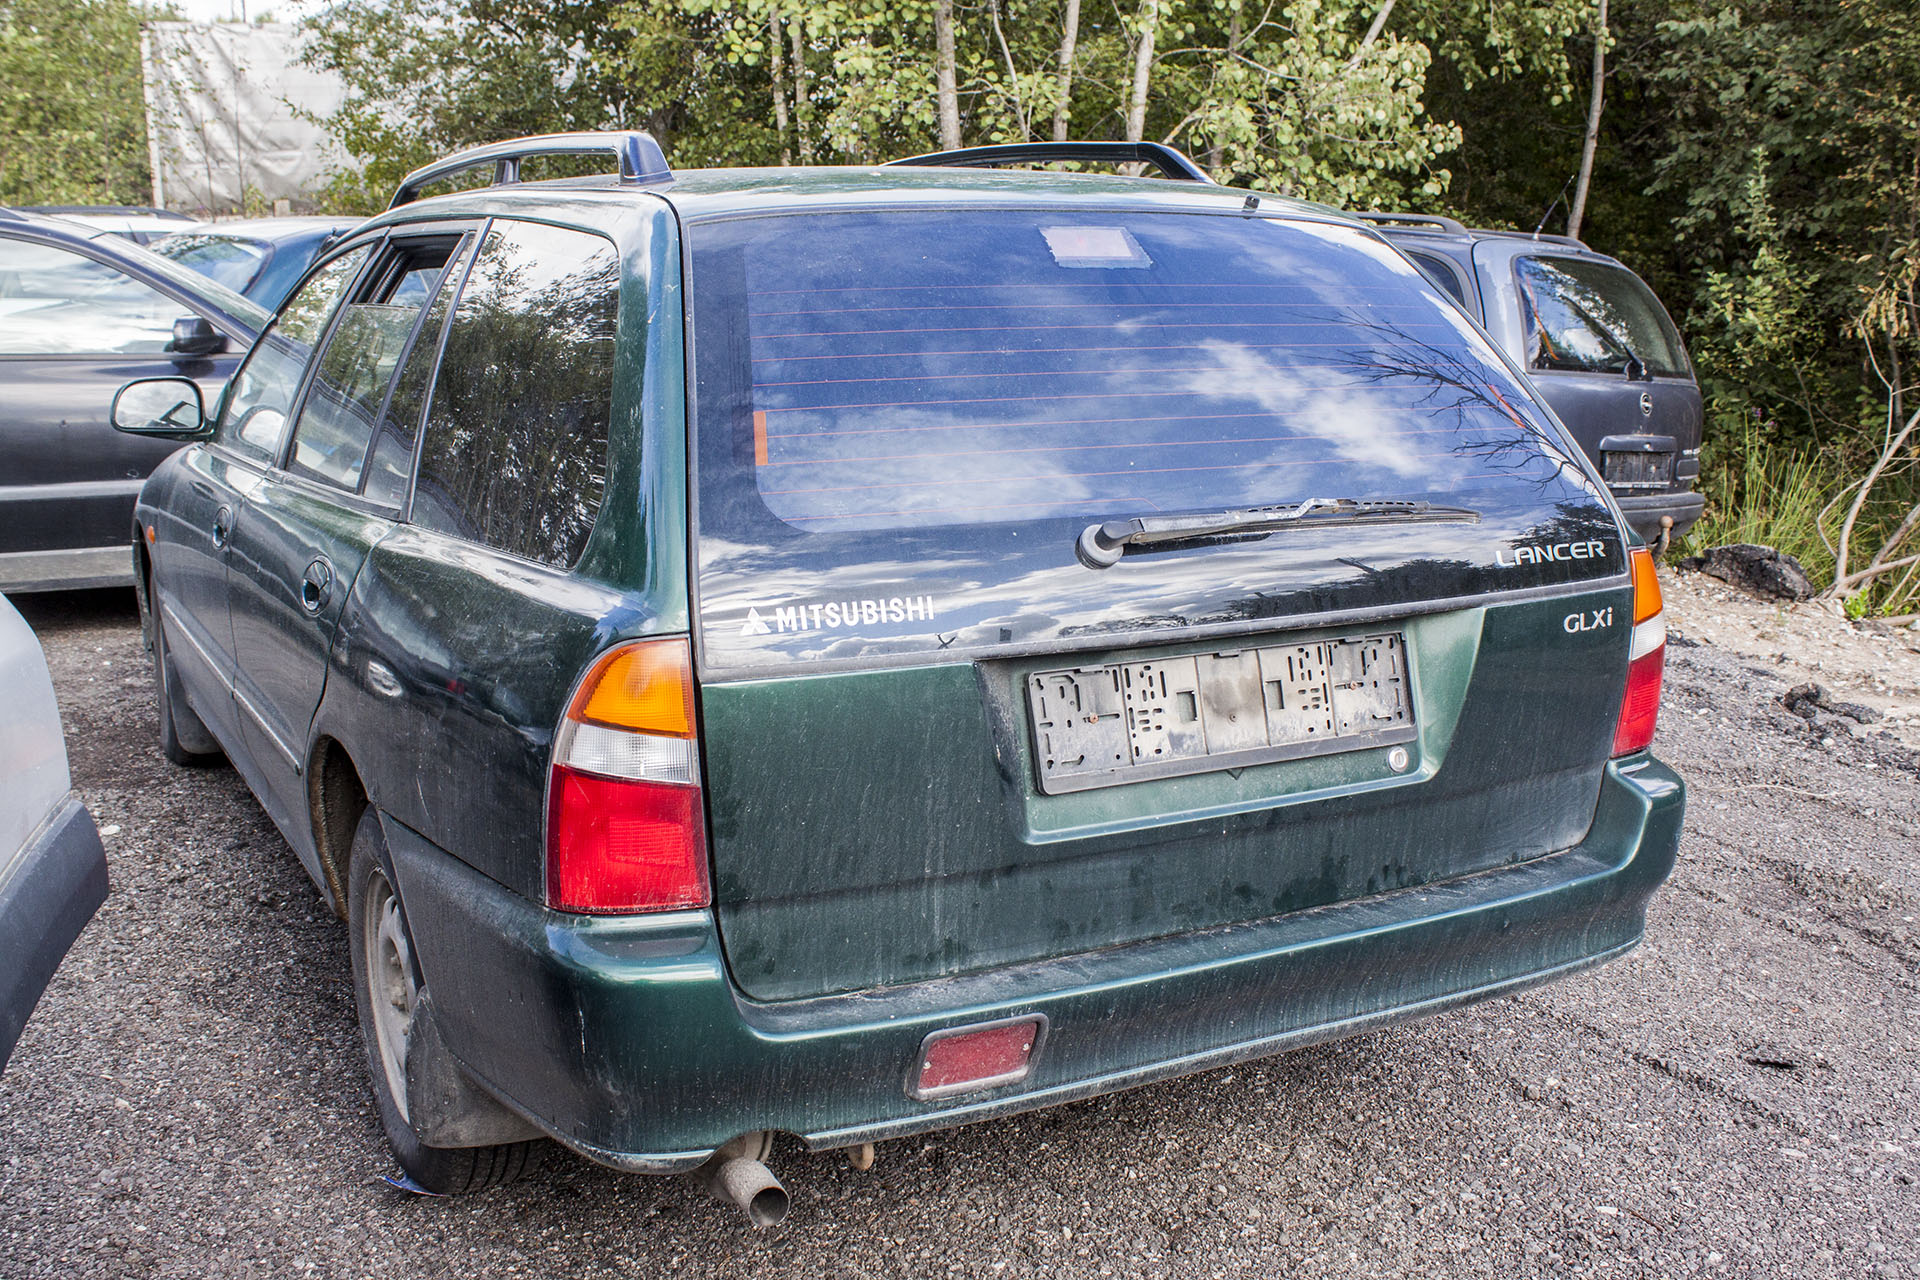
(1594, 317)
(229, 260)
(981, 385)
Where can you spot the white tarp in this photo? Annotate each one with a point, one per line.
(230, 117)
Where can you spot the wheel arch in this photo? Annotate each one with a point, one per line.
(336, 797)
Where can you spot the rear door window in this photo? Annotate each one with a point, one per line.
(1594, 317)
(910, 405)
(357, 366)
(390, 466)
(515, 450)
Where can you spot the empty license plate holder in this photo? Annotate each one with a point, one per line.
(1165, 717)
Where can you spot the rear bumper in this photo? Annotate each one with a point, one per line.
(626, 1041)
(1644, 510)
(47, 895)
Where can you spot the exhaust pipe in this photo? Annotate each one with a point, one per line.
(737, 1174)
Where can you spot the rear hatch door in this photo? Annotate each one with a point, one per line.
(1353, 621)
(1604, 354)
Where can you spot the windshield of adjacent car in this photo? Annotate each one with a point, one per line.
(231, 260)
(1589, 316)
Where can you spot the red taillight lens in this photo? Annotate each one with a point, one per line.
(620, 845)
(624, 825)
(1640, 707)
(1646, 660)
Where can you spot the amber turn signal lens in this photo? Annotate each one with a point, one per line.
(1646, 585)
(646, 686)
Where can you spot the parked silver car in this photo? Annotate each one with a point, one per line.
(53, 871)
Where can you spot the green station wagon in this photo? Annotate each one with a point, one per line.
(849, 652)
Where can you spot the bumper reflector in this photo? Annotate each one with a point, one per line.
(965, 1059)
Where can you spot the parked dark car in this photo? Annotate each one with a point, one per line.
(1597, 345)
(262, 258)
(856, 651)
(53, 871)
(78, 317)
(137, 223)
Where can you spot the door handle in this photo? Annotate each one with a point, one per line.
(316, 585)
(222, 527)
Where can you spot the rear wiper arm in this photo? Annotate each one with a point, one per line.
(1101, 545)
(1636, 367)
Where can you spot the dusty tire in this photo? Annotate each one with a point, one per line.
(386, 984)
(184, 737)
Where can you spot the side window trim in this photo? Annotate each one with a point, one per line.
(272, 461)
(383, 270)
(471, 250)
(377, 246)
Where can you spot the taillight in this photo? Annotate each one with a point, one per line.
(1646, 661)
(624, 826)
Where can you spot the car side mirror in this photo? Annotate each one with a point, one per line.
(168, 408)
(195, 336)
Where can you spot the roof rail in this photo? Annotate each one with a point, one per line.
(11, 215)
(640, 157)
(1433, 220)
(1164, 158)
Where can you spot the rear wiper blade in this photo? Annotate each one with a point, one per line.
(1101, 545)
(1636, 367)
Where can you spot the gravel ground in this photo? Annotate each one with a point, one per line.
(1739, 1097)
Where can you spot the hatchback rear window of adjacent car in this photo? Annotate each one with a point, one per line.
(234, 261)
(1588, 316)
(882, 371)
(515, 449)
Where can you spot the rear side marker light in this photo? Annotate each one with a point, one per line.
(625, 831)
(984, 1056)
(1646, 659)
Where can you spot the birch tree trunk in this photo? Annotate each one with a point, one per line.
(1579, 211)
(778, 62)
(944, 74)
(1142, 70)
(1069, 37)
(802, 108)
(1215, 153)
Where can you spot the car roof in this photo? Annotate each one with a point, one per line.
(272, 228)
(704, 193)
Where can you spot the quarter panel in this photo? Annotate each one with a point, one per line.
(452, 667)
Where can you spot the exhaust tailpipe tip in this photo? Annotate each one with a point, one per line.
(752, 1186)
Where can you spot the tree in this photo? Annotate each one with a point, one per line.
(72, 112)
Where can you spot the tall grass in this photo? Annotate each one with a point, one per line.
(1761, 491)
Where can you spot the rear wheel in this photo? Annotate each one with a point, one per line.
(386, 989)
(184, 737)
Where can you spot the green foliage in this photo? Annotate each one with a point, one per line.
(425, 77)
(1756, 160)
(1289, 98)
(1300, 108)
(72, 115)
